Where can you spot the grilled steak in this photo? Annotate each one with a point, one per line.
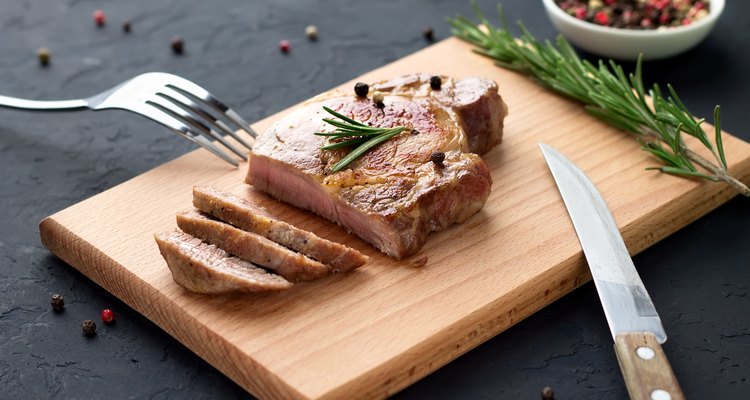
(251, 247)
(393, 196)
(252, 218)
(204, 268)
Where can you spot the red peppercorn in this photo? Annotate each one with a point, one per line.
(601, 18)
(610, 2)
(687, 21)
(580, 12)
(645, 23)
(99, 18)
(664, 19)
(284, 46)
(108, 316)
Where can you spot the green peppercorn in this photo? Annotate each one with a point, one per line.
(378, 98)
(58, 302)
(361, 89)
(437, 158)
(44, 56)
(548, 393)
(435, 82)
(311, 32)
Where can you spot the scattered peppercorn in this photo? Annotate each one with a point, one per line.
(548, 393)
(89, 328)
(44, 56)
(58, 302)
(284, 46)
(178, 45)
(311, 32)
(378, 98)
(126, 27)
(428, 34)
(108, 316)
(437, 158)
(99, 18)
(414, 132)
(361, 89)
(435, 82)
(641, 14)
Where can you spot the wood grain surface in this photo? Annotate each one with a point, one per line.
(371, 332)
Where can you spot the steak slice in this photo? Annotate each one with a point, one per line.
(253, 218)
(204, 268)
(251, 247)
(394, 195)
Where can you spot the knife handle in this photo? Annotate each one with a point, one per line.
(645, 368)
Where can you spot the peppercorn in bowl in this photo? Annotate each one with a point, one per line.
(623, 29)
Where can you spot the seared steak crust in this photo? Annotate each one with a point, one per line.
(392, 196)
(204, 268)
(251, 247)
(253, 218)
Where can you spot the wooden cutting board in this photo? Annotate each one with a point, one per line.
(374, 331)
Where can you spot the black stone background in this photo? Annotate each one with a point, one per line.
(698, 277)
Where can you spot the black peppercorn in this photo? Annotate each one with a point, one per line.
(361, 89)
(89, 328)
(437, 158)
(178, 45)
(414, 132)
(58, 303)
(435, 82)
(548, 393)
(428, 34)
(126, 26)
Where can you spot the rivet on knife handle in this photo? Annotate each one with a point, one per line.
(645, 368)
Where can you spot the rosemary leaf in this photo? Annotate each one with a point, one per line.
(608, 93)
(366, 146)
(358, 134)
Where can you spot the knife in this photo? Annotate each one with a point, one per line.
(632, 318)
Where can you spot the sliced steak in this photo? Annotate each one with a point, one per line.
(204, 268)
(394, 195)
(251, 247)
(253, 218)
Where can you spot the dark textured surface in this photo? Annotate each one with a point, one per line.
(698, 277)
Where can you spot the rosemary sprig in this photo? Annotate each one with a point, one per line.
(356, 133)
(607, 93)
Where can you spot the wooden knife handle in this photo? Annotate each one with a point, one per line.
(645, 368)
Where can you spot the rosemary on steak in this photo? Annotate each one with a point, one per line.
(658, 121)
(352, 133)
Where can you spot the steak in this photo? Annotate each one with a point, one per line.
(251, 247)
(394, 195)
(205, 268)
(253, 218)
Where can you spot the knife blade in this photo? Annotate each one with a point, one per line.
(635, 325)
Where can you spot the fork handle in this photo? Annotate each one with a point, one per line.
(37, 105)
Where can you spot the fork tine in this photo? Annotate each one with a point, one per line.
(192, 107)
(186, 118)
(191, 89)
(181, 129)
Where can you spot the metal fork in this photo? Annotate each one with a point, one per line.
(182, 106)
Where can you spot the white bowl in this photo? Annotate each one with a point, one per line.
(626, 44)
